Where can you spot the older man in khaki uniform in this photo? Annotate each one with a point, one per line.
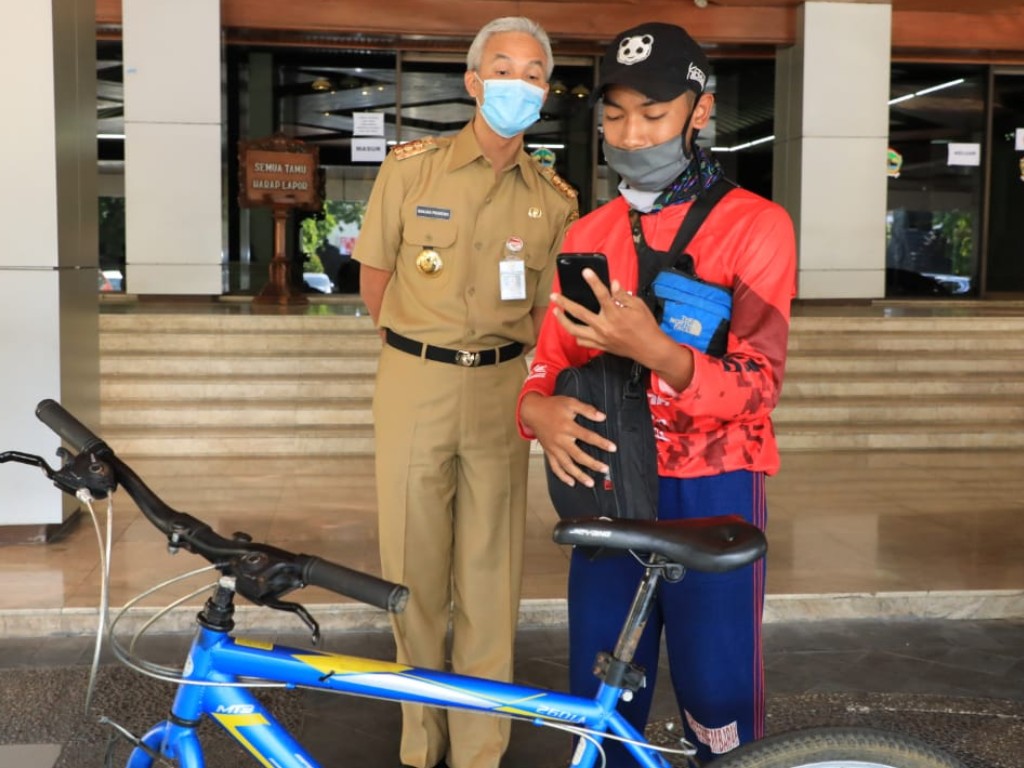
(457, 255)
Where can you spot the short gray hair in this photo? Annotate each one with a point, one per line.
(509, 24)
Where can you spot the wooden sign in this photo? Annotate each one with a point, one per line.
(279, 172)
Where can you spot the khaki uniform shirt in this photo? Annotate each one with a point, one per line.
(440, 194)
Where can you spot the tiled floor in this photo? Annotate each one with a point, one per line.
(915, 533)
(958, 685)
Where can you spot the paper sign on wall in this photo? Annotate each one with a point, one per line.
(964, 154)
(367, 123)
(368, 150)
(1018, 139)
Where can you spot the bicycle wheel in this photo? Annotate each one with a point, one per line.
(837, 748)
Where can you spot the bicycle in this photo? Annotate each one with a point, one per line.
(219, 669)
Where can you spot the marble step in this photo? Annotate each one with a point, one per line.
(940, 343)
(159, 414)
(183, 441)
(179, 322)
(903, 437)
(829, 411)
(905, 321)
(181, 364)
(358, 440)
(238, 344)
(115, 391)
(969, 322)
(818, 362)
(978, 384)
(358, 410)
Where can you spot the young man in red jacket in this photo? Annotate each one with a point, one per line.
(711, 415)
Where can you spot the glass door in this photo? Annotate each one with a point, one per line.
(1004, 268)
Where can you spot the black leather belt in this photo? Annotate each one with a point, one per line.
(453, 356)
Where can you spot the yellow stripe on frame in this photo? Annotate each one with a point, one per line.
(337, 664)
(232, 723)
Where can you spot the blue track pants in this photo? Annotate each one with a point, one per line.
(711, 624)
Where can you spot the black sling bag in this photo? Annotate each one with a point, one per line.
(617, 386)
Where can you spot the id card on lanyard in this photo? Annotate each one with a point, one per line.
(512, 271)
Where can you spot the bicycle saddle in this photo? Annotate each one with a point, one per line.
(713, 544)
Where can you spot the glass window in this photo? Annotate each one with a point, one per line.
(315, 98)
(933, 220)
(1004, 265)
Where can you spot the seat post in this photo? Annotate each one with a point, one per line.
(639, 611)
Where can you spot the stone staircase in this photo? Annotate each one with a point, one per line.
(903, 383)
(250, 384)
(237, 385)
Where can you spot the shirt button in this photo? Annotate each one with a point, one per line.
(471, 290)
(487, 199)
(478, 246)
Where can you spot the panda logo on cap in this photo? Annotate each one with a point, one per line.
(633, 50)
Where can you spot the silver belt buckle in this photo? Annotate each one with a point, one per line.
(467, 359)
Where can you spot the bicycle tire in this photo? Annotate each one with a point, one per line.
(837, 748)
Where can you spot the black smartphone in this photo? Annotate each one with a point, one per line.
(570, 278)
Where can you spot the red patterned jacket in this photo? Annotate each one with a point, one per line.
(722, 420)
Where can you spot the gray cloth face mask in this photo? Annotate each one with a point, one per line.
(650, 169)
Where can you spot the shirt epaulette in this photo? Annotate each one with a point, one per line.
(415, 147)
(557, 182)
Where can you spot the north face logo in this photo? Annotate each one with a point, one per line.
(635, 49)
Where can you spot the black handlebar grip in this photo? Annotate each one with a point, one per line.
(74, 432)
(355, 584)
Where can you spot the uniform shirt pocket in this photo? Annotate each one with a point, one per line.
(422, 232)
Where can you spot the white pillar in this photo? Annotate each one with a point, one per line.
(174, 240)
(831, 135)
(48, 245)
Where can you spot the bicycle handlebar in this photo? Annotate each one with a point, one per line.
(263, 573)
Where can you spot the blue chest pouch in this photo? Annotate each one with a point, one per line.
(693, 312)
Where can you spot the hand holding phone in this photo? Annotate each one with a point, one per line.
(570, 278)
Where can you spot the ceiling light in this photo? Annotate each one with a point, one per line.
(701, 3)
(580, 91)
(923, 91)
(321, 84)
(558, 87)
(745, 145)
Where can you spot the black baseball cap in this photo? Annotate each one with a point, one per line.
(659, 60)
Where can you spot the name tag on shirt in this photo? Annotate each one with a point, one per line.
(513, 279)
(432, 212)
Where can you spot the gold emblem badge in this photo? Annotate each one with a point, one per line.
(429, 262)
(534, 213)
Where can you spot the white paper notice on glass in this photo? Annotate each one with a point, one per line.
(367, 123)
(368, 150)
(964, 154)
(1018, 139)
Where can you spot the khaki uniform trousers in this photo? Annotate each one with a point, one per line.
(451, 487)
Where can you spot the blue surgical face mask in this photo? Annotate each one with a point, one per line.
(510, 106)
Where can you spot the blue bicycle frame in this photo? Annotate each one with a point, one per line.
(217, 657)
(213, 681)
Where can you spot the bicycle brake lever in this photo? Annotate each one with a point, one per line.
(300, 611)
(84, 471)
